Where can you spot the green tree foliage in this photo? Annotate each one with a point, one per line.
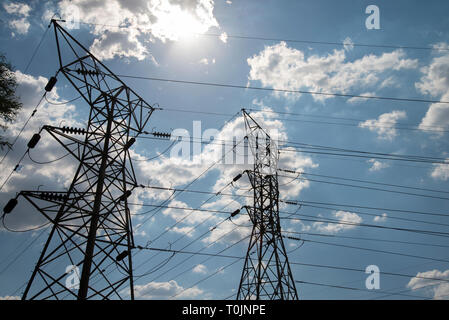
(9, 102)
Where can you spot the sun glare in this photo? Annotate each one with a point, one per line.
(178, 24)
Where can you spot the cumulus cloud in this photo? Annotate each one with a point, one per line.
(230, 232)
(119, 43)
(381, 218)
(441, 171)
(224, 37)
(435, 82)
(147, 21)
(20, 12)
(18, 8)
(31, 175)
(165, 290)
(10, 298)
(279, 66)
(356, 100)
(377, 165)
(200, 268)
(438, 289)
(187, 215)
(21, 26)
(384, 126)
(206, 61)
(348, 44)
(173, 170)
(342, 216)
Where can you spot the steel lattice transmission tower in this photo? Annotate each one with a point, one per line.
(266, 272)
(91, 223)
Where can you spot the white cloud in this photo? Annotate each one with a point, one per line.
(435, 82)
(356, 100)
(168, 171)
(22, 10)
(187, 216)
(381, 218)
(147, 21)
(21, 26)
(200, 268)
(438, 289)
(384, 126)
(224, 37)
(230, 232)
(390, 82)
(165, 290)
(377, 165)
(122, 43)
(53, 176)
(342, 216)
(10, 298)
(171, 171)
(183, 230)
(348, 44)
(441, 46)
(441, 171)
(279, 66)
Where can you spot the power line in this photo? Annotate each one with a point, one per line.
(234, 86)
(346, 119)
(17, 167)
(49, 161)
(362, 181)
(220, 255)
(355, 224)
(209, 258)
(173, 196)
(376, 250)
(354, 289)
(263, 38)
(370, 188)
(332, 43)
(377, 215)
(284, 212)
(301, 202)
(23, 127)
(219, 270)
(199, 224)
(299, 147)
(21, 252)
(363, 271)
(417, 127)
(35, 51)
(367, 239)
(62, 103)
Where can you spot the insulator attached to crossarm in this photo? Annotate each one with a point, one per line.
(51, 196)
(73, 130)
(161, 134)
(10, 206)
(87, 72)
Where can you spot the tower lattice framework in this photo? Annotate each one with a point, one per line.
(91, 225)
(266, 273)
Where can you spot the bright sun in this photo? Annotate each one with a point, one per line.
(178, 24)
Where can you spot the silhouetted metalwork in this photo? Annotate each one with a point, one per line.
(266, 273)
(91, 223)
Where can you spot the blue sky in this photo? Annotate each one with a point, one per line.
(159, 41)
